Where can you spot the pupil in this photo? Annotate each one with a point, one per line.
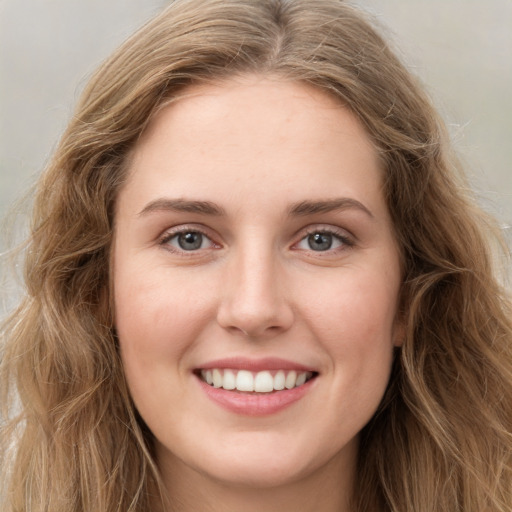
(190, 241)
(320, 241)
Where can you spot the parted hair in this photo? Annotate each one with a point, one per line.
(441, 439)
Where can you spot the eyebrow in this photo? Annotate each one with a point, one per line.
(303, 208)
(182, 205)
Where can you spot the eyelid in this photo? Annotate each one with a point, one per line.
(170, 233)
(348, 240)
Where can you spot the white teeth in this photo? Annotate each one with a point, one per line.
(244, 381)
(301, 379)
(260, 382)
(264, 382)
(279, 380)
(229, 380)
(217, 378)
(291, 379)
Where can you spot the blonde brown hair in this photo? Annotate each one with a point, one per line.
(441, 439)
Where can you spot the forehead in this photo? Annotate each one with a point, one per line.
(250, 138)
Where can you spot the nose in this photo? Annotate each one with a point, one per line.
(255, 301)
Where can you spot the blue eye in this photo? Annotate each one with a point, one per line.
(321, 241)
(188, 241)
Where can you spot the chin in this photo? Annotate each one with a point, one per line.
(258, 474)
(269, 461)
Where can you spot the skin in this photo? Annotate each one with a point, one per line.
(256, 148)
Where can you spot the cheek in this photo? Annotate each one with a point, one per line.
(157, 319)
(355, 306)
(354, 318)
(157, 325)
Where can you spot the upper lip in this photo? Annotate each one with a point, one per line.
(255, 364)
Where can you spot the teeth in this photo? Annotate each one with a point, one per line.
(291, 379)
(244, 381)
(263, 382)
(229, 380)
(217, 378)
(260, 382)
(279, 380)
(301, 379)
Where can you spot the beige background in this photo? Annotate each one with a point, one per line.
(461, 48)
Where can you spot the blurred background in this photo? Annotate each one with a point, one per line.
(462, 49)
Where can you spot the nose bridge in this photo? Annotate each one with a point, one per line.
(254, 296)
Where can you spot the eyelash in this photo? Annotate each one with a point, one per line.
(346, 241)
(342, 236)
(169, 235)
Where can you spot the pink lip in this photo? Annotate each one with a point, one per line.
(260, 404)
(255, 365)
(255, 404)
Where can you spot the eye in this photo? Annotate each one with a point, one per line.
(187, 240)
(323, 240)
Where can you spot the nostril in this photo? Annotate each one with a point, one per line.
(255, 332)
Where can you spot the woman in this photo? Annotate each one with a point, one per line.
(256, 281)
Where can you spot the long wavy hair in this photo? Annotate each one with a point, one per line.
(441, 439)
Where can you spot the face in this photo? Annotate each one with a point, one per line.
(256, 282)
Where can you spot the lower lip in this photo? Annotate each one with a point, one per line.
(257, 404)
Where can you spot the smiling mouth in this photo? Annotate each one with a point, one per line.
(254, 382)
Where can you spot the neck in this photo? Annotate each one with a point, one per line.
(328, 489)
